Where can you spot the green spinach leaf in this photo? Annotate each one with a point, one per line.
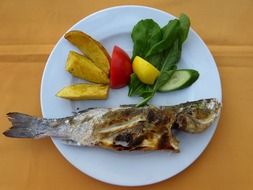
(170, 34)
(136, 87)
(145, 34)
(184, 27)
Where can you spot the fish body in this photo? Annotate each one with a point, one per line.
(122, 128)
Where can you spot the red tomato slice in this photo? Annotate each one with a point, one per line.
(121, 68)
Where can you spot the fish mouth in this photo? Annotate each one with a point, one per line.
(197, 116)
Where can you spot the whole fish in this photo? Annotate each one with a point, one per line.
(122, 128)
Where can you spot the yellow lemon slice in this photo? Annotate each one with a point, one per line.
(145, 71)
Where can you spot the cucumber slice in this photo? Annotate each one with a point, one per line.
(180, 79)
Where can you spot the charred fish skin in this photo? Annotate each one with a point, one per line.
(146, 128)
(122, 128)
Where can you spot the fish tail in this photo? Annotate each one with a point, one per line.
(26, 126)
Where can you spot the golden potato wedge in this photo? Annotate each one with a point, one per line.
(82, 67)
(90, 47)
(84, 91)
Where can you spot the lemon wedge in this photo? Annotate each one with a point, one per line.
(145, 71)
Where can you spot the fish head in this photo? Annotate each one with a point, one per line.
(195, 117)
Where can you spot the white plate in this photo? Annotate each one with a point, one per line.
(113, 26)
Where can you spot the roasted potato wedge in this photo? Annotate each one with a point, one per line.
(82, 67)
(90, 47)
(84, 91)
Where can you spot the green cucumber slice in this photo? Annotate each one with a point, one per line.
(180, 79)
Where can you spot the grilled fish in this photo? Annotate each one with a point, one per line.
(122, 128)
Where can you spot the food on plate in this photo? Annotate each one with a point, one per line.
(121, 68)
(82, 67)
(156, 52)
(84, 91)
(122, 128)
(146, 72)
(91, 48)
(180, 79)
(162, 48)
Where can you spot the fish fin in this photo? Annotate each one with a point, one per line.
(70, 142)
(83, 111)
(132, 105)
(26, 126)
(127, 105)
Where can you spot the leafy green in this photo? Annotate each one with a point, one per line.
(184, 27)
(145, 34)
(136, 87)
(170, 33)
(161, 47)
(156, 60)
